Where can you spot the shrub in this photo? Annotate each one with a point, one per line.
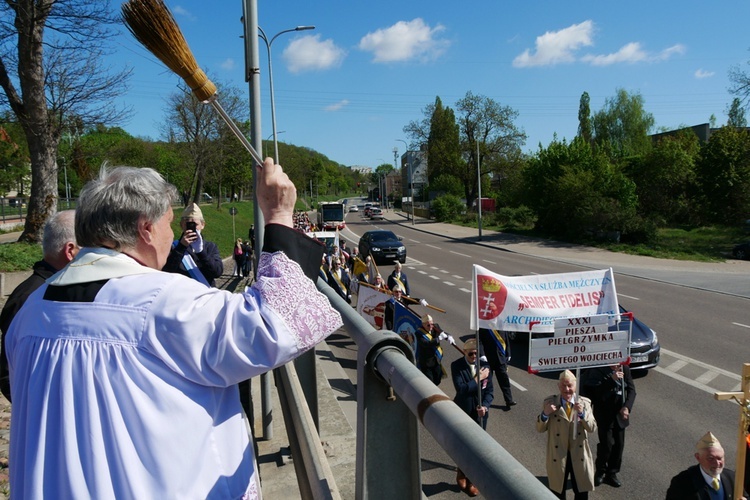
(447, 208)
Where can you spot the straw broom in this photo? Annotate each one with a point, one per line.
(154, 26)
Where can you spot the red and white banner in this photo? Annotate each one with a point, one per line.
(511, 303)
(371, 305)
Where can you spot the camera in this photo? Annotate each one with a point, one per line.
(190, 225)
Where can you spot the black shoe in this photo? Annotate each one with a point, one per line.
(612, 480)
(510, 403)
(598, 478)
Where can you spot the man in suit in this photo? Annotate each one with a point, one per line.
(568, 451)
(496, 348)
(706, 480)
(467, 382)
(192, 255)
(397, 277)
(612, 392)
(338, 279)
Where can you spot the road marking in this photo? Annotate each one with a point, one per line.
(489, 261)
(698, 382)
(432, 246)
(461, 254)
(422, 272)
(448, 283)
(444, 271)
(413, 241)
(457, 276)
(627, 296)
(740, 324)
(435, 268)
(465, 290)
(517, 385)
(434, 277)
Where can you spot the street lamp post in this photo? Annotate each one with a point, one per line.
(262, 35)
(409, 180)
(479, 192)
(265, 146)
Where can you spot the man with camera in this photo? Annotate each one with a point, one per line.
(191, 255)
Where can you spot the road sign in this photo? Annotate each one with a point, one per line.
(233, 211)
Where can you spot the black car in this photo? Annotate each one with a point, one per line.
(644, 344)
(384, 246)
(742, 251)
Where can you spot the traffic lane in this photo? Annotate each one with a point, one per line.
(700, 324)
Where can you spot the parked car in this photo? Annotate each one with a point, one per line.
(376, 214)
(384, 246)
(742, 251)
(644, 344)
(354, 208)
(207, 197)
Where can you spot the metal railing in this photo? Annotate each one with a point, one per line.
(388, 456)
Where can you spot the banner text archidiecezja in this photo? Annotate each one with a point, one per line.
(512, 303)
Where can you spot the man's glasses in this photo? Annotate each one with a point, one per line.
(471, 353)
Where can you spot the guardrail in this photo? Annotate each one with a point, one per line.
(388, 456)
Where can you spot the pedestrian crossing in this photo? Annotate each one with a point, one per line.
(697, 374)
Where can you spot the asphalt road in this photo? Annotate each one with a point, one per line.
(702, 323)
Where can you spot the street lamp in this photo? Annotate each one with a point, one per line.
(265, 146)
(262, 35)
(67, 186)
(409, 180)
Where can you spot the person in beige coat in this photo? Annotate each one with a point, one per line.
(568, 451)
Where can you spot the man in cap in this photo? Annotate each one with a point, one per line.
(467, 381)
(708, 478)
(191, 255)
(429, 352)
(568, 451)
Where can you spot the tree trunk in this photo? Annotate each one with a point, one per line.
(43, 199)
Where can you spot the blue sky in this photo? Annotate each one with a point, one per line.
(348, 88)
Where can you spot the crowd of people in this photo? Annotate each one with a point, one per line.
(168, 346)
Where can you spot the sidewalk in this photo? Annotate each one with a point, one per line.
(730, 277)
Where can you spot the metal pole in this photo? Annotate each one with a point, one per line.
(262, 35)
(479, 191)
(252, 76)
(409, 180)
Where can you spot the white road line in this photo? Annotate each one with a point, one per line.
(518, 386)
(461, 254)
(489, 261)
(465, 290)
(432, 246)
(684, 379)
(740, 324)
(627, 296)
(457, 277)
(413, 241)
(422, 272)
(434, 277)
(703, 365)
(707, 377)
(677, 365)
(444, 271)
(448, 283)
(435, 268)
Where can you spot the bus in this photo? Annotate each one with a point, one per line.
(331, 216)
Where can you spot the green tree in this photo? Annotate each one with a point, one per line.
(489, 138)
(736, 114)
(622, 126)
(724, 175)
(51, 54)
(576, 191)
(443, 144)
(666, 179)
(584, 118)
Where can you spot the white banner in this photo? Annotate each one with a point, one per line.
(512, 303)
(573, 351)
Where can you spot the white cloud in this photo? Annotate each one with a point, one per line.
(309, 53)
(227, 64)
(633, 53)
(178, 10)
(405, 41)
(557, 47)
(701, 73)
(337, 106)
